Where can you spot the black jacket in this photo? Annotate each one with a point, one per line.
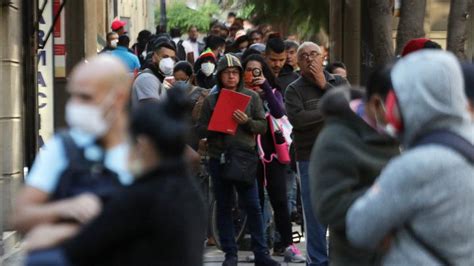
(159, 220)
(286, 77)
(302, 106)
(346, 159)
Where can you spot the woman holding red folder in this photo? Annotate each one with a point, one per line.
(271, 174)
(221, 147)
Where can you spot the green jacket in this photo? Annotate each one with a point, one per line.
(346, 159)
(245, 134)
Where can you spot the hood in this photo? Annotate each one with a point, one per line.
(430, 90)
(336, 102)
(225, 62)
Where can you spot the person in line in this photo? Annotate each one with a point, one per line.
(230, 19)
(139, 48)
(337, 68)
(250, 122)
(160, 219)
(205, 67)
(291, 48)
(303, 109)
(118, 26)
(148, 85)
(341, 169)
(184, 51)
(255, 36)
(122, 52)
(276, 55)
(419, 208)
(89, 157)
(193, 42)
(271, 173)
(112, 41)
(468, 72)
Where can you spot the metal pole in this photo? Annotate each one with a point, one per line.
(163, 19)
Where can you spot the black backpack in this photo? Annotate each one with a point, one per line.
(180, 51)
(83, 175)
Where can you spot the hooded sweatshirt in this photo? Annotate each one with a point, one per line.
(245, 134)
(342, 168)
(429, 187)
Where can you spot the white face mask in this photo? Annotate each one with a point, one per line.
(89, 118)
(166, 66)
(113, 43)
(208, 68)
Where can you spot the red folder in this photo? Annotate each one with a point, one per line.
(228, 102)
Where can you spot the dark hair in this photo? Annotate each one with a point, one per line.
(231, 14)
(380, 81)
(192, 26)
(143, 36)
(184, 66)
(175, 32)
(275, 45)
(468, 72)
(249, 52)
(432, 45)
(213, 42)
(332, 66)
(267, 71)
(290, 44)
(109, 35)
(164, 123)
(255, 32)
(124, 40)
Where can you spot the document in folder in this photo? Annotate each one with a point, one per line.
(227, 103)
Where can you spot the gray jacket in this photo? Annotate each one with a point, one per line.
(431, 187)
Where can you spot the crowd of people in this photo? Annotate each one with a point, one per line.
(386, 170)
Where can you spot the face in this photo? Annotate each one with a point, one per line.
(307, 56)
(243, 45)
(256, 38)
(162, 54)
(87, 91)
(230, 78)
(252, 67)
(276, 61)
(114, 37)
(193, 33)
(291, 57)
(180, 76)
(341, 72)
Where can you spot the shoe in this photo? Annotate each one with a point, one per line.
(230, 261)
(293, 254)
(266, 260)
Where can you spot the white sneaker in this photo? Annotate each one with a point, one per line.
(293, 254)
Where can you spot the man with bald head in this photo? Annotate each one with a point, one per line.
(302, 105)
(89, 157)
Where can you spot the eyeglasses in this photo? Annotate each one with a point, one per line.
(231, 72)
(311, 55)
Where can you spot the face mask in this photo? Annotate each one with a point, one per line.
(166, 66)
(208, 68)
(113, 43)
(89, 118)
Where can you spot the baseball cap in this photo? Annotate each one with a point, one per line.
(117, 24)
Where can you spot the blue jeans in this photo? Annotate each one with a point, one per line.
(50, 257)
(248, 195)
(316, 247)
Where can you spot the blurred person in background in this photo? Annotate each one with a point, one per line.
(468, 72)
(194, 42)
(139, 48)
(337, 68)
(291, 48)
(112, 41)
(122, 52)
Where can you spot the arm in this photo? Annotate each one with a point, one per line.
(387, 205)
(256, 124)
(274, 103)
(204, 118)
(298, 116)
(146, 87)
(334, 177)
(49, 235)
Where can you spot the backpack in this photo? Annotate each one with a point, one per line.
(463, 147)
(180, 51)
(83, 175)
(196, 113)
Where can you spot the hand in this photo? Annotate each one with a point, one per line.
(82, 208)
(317, 72)
(258, 81)
(49, 235)
(240, 117)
